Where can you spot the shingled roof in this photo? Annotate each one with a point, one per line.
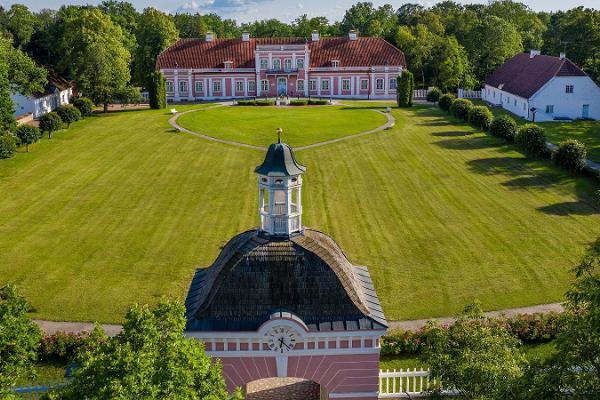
(198, 53)
(523, 75)
(306, 275)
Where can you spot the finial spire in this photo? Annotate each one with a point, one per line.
(279, 131)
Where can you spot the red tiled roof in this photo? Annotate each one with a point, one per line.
(524, 76)
(197, 53)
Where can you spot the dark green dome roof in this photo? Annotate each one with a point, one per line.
(280, 161)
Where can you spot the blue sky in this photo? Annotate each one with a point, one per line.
(287, 10)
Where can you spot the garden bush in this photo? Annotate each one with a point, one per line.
(265, 103)
(317, 102)
(28, 134)
(405, 88)
(460, 108)
(434, 95)
(60, 346)
(480, 117)
(84, 105)
(8, 145)
(504, 127)
(50, 122)
(246, 102)
(445, 101)
(298, 102)
(68, 114)
(532, 139)
(571, 155)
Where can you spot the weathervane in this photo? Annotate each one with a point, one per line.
(279, 131)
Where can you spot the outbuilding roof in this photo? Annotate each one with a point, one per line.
(524, 76)
(198, 53)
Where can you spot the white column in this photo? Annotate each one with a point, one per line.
(352, 85)
(293, 60)
(339, 85)
(331, 86)
(190, 88)
(245, 87)
(270, 61)
(206, 88)
(386, 84)
(318, 86)
(223, 90)
(176, 84)
(372, 84)
(210, 87)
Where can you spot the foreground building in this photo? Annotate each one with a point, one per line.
(282, 301)
(57, 93)
(343, 67)
(543, 88)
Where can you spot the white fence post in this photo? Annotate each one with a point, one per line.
(407, 386)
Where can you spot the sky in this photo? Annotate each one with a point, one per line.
(285, 10)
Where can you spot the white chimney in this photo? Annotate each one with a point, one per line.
(353, 35)
(209, 37)
(533, 53)
(315, 36)
(563, 55)
(246, 36)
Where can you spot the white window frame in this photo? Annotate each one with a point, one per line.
(239, 86)
(300, 85)
(170, 87)
(335, 64)
(393, 84)
(287, 64)
(183, 87)
(345, 84)
(312, 84)
(379, 84)
(199, 86)
(550, 109)
(570, 89)
(300, 63)
(325, 84)
(228, 64)
(251, 86)
(264, 63)
(264, 85)
(364, 84)
(276, 64)
(217, 86)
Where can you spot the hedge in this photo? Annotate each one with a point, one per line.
(480, 117)
(313, 102)
(264, 103)
(504, 127)
(571, 155)
(433, 96)
(298, 102)
(246, 102)
(532, 139)
(460, 108)
(445, 101)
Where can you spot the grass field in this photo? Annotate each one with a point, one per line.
(122, 209)
(301, 125)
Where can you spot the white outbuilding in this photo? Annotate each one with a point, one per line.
(57, 92)
(540, 88)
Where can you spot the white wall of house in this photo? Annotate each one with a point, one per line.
(567, 105)
(38, 106)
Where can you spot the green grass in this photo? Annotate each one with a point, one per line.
(587, 132)
(122, 209)
(301, 126)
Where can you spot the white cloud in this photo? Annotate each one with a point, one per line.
(220, 6)
(300, 6)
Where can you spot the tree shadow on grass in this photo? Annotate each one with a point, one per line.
(469, 143)
(451, 133)
(566, 208)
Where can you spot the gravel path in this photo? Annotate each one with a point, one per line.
(173, 121)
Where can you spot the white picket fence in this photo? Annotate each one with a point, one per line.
(469, 94)
(408, 384)
(35, 392)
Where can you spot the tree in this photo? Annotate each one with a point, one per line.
(68, 114)
(19, 338)
(125, 15)
(418, 43)
(454, 68)
(150, 359)
(50, 123)
(504, 127)
(406, 86)
(84, 105)
(28, 134)
(370, 21)
(20, 23)
(476, 355)
(97, 59)
(530, 27)
(156, 31)
(8, 145)
(268, 28)
(532, 139)
(303, 26)
(157, 91)
(571, 154)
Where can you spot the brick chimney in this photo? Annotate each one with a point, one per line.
(563, 55)
(533, 53)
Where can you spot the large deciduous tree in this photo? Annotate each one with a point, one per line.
(370, 21)
(20, 23)
(150, 359)
(96, 56)
(156, 31)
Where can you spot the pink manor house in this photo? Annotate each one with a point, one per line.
(342, 67)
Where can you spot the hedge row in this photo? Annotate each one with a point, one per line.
(260, 103)
(535, 328)
(531, 138)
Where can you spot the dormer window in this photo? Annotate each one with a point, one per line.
(228, 64)
(335, 63)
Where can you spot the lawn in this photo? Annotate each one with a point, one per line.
(122, 209)
(587, 132)
(301, 125)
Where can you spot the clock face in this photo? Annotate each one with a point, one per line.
(281, 339)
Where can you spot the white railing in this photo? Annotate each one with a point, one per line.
(35, 392)
(469, 94)
(420, 94)
(408, 384)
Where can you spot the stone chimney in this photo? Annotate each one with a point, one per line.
(209, 37)
(353, 35)
(533, 53)
(245, 36)
(563, 55)
(315, 36)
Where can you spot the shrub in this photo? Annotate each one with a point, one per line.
(264, 103)
(298, 102)
(504, 127)
(532, 139)
(246, 102)
(571, 155)
(28, 134)
(460, 108)
(434, 95)
(50, 122)
(8, 145)
(84, 105)
(317, 102)
(68, 114)
(157, 91)
(60, 346)
(480, 117)
(445, 101)
(405, 84)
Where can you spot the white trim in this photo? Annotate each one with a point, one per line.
(282, 366)
(294, 352)
(352, 395)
